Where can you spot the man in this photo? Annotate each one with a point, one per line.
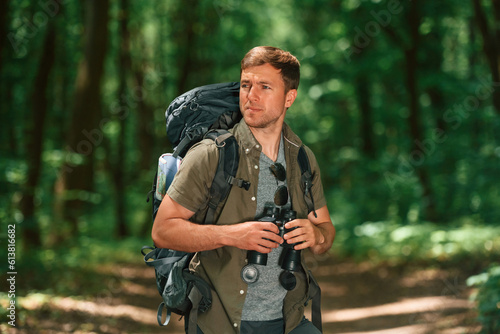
(269, 82)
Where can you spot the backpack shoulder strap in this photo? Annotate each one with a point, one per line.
(306, 179)
(225, 175)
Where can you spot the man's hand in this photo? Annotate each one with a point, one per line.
(304, 234)
(254, 235)
(316, 233)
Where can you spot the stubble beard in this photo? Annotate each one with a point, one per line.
(260, 120)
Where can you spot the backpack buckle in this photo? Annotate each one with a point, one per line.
(220, 141)
(238, 182)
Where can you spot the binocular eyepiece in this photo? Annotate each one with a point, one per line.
(290, 258)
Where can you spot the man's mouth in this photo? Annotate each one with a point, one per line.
(253, 108)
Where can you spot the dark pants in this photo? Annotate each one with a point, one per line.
(274, 326)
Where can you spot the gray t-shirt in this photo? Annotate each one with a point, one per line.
(264, 300)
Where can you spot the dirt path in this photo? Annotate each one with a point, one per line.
(362, 298)
(357, 299)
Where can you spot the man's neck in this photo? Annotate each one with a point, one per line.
(269, 139)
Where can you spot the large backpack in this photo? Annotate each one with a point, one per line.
(204, 112)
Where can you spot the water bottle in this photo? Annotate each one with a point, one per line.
(167, 168)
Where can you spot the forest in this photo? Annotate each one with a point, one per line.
(399, 100)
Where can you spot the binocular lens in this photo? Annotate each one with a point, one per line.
(255, 257)
(291, 260)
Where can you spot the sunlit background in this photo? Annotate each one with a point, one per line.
(399, 100)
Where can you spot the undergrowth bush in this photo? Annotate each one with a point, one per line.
(464, 243)
(488, 299)
(65, 270)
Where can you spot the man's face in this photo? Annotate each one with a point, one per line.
(263, 101)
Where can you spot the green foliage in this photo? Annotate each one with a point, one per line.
(376, 185)
(465, 243)
(352, 110)
(62, 271)
(488, 298)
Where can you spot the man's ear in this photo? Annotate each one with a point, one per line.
(290, 97)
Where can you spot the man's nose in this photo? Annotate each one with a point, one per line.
(253, 94)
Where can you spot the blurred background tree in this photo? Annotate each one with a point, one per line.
(398, 99)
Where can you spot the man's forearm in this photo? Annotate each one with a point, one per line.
(327, 231)
(183, 235)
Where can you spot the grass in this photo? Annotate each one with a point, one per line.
(465, 242)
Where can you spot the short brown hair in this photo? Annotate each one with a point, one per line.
(277, 58)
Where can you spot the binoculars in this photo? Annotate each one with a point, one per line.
(289, 259)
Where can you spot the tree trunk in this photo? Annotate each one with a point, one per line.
(363, 95)
(7, 113)
(417, 157)
(118, 166)
(146, 125)
(34, 135)
(491, 43)
(434, 59)
(4, 6)
(185, 39)
(75, 179)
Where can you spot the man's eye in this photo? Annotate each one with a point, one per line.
(266, 87)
